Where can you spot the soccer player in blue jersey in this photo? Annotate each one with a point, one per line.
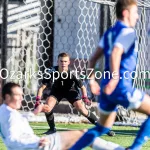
(118, 45)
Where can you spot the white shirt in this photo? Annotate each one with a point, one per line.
(16, 131)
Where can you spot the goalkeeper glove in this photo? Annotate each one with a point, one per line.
(86, 100)
(38, 102)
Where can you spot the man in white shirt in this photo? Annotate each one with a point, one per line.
(18, 135)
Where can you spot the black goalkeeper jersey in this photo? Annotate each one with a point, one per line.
(62, 82)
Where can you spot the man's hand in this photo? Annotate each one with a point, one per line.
(43, 142)
(95, 88)
(110, 87)
(86, 100)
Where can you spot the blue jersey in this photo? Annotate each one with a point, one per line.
(124, 37)
(124, 94)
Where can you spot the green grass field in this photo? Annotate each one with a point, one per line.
(124, 135)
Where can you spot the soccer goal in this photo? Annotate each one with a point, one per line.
(106, 18)
(38, 30)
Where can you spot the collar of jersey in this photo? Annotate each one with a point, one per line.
(121, 23)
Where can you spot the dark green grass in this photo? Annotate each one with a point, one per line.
(124, 135)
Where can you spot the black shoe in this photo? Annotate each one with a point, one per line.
(111, 133)
(50, 131)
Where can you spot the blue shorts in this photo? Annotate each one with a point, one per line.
(130, 98)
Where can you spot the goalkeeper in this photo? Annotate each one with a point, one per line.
(65, 84)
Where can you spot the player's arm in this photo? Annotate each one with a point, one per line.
(39, 95)
(46, 80)
(91, 65)
(41, 89)
(80, 85)
(85, 97)
(115, 60)
(84, 91)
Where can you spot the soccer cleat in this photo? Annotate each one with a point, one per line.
(111, 133)
(50, 131)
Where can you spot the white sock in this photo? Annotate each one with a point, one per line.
(100, 144)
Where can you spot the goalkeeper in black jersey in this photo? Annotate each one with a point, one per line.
(65, 84)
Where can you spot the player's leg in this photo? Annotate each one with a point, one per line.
(103, 126)
(51, 102)
(107, 118)
(55, 98)
(144, 132)
(71, 137)
(64, 140)
(88, 114)
(51, 123)
(100, 144)
(73, 96)
(68, 138)
(75, 100)
(78, 104)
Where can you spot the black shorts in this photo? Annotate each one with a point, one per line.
(72, 95)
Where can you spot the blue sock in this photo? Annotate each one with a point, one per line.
(143, 135)
(89, 137)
